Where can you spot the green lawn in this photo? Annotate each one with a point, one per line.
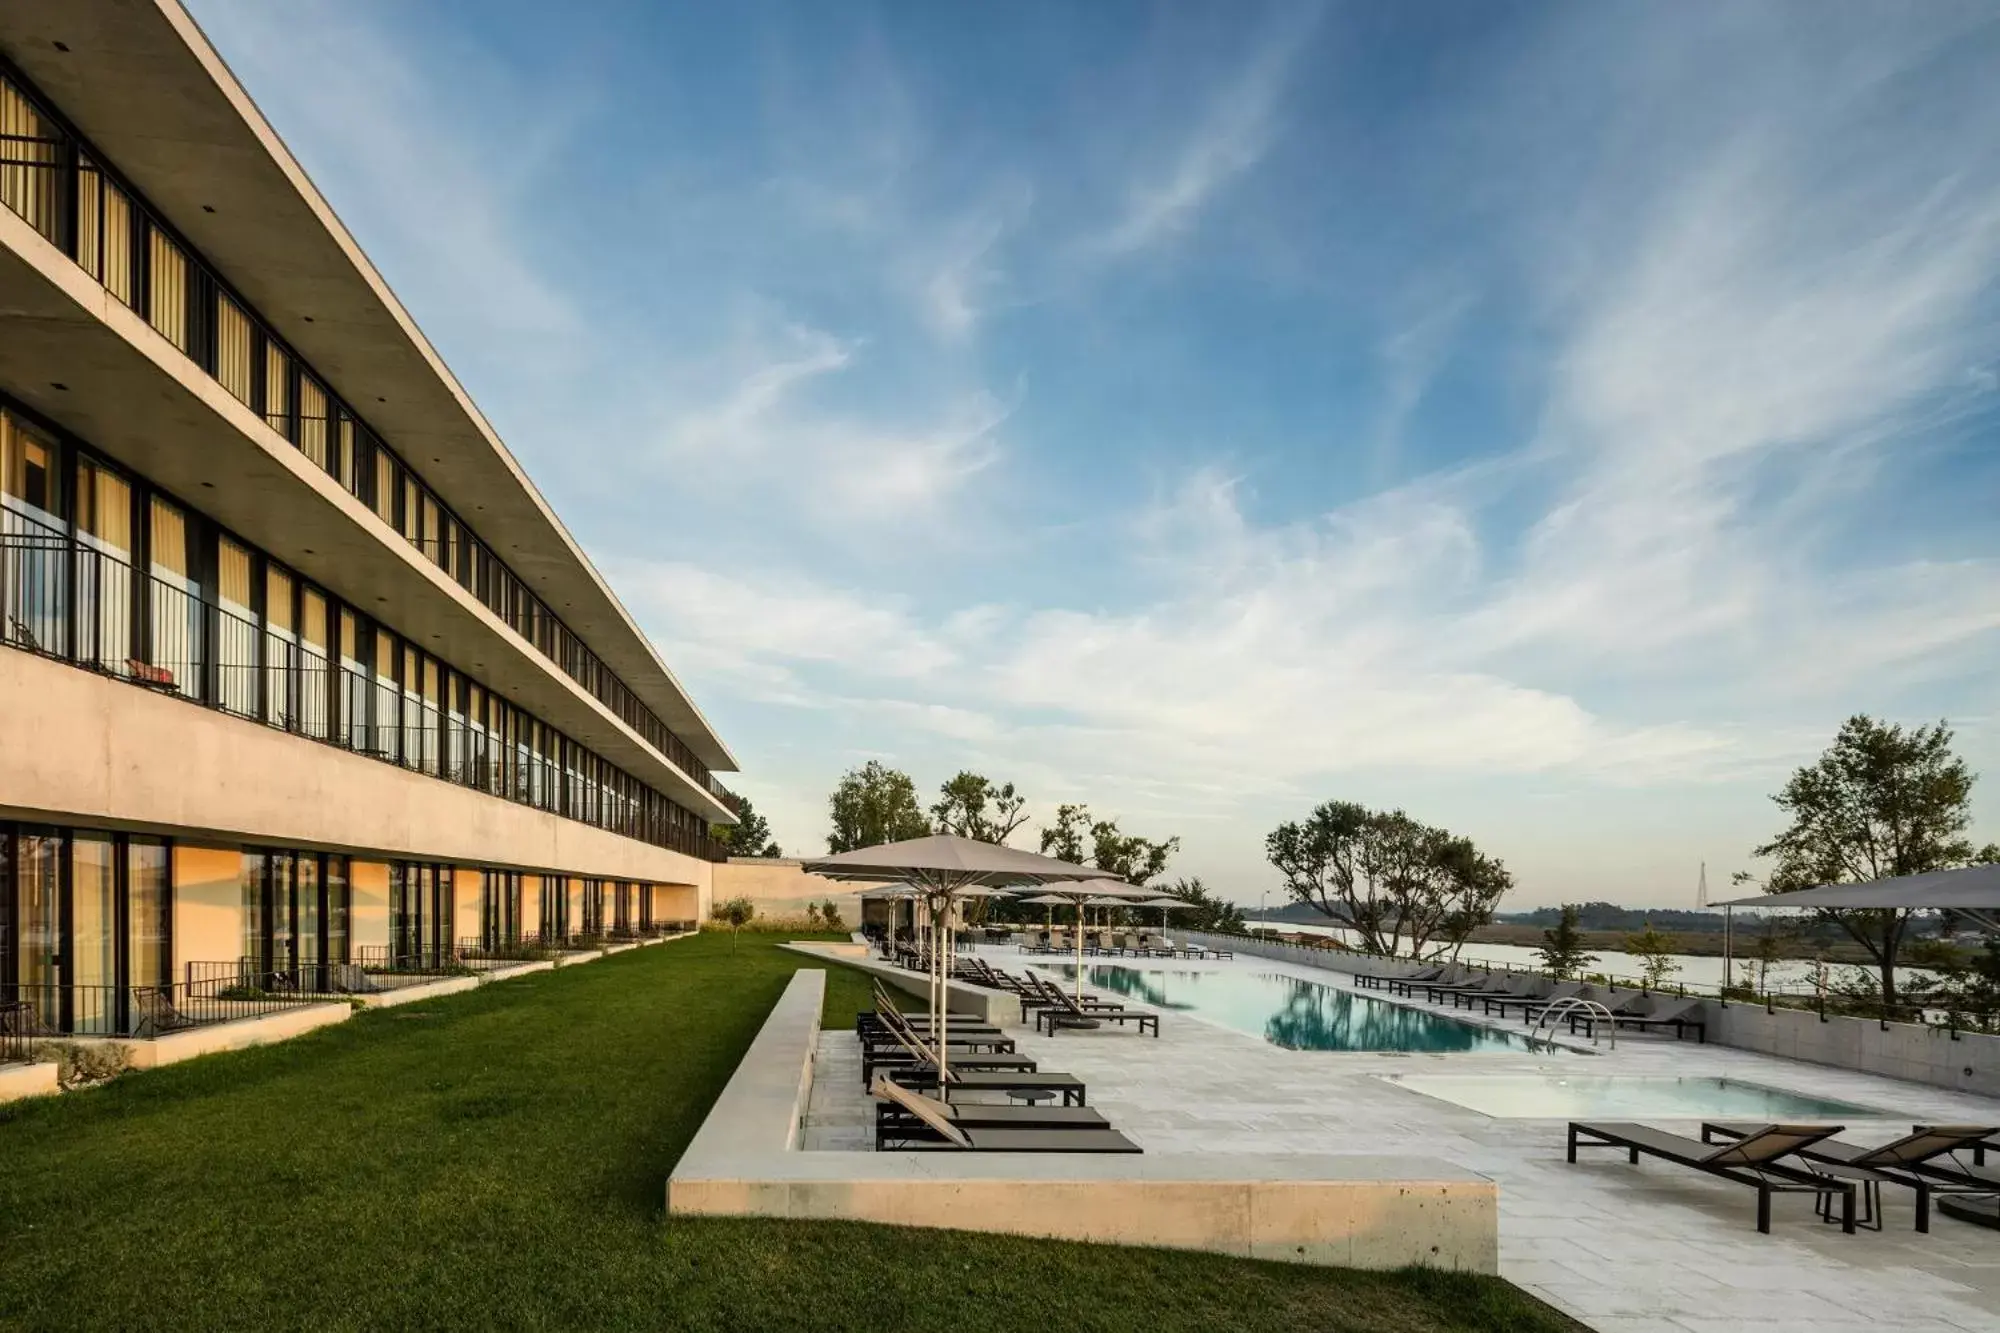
(498, 1159)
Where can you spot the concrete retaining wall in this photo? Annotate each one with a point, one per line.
(25, 1080)
(1351, 1211)
(998, 1007)
(1968, 1063)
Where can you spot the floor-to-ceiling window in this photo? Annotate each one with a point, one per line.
(295, 907)
(555, 908)
(593, 907)
(34, 560)
(85, 929)
(499, 909)
(420, 914)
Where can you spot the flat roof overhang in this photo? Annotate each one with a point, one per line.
(134, 396)
(141, 81)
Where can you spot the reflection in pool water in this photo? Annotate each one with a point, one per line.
(1297, 1014)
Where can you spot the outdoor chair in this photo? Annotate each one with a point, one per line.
(936, 1116)
(1752, 1160)
(1066, 1012)
(1616, 1001)
(1510, 986)
(1923, 1160)
(895, 1125)
(912, 1050)
(1376, 980)
(19, 1018)
(1435, 992)
(1649, 1012)
(154, 1014)
(1408, 986)
(1538, 996)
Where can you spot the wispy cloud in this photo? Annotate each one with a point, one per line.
(1234, 128)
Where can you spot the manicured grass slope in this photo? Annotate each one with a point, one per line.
(498, 1159)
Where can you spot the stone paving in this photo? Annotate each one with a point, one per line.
(1646, 1249)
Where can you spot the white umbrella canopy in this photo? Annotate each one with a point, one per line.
(942, 868)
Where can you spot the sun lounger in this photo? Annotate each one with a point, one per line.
(1752, 1160)
(1435, 992)
(1646, 1013)
(1561, 990)
(936, 1116)
(1376, 980)
(1922, 1160)
(1617, 1001)
(1510, 987)
(911, 1048)
(1064, 1011)
(896, 1125)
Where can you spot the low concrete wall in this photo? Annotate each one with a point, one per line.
(998, 1007)
(1338, 960)
(1356, 1212)
(36, 1080)
(758, 1112)
(428, 990)
(1969, 1062)
(291, 1021)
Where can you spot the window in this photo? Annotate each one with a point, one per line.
(104, 231)
(149, 913)
(166, 288)
(233, 348)
(280, 705)
(93, 933)
(236, 630)
(34, 564)
(30, 150)
(351, 719)
(175, 620)
(313, 422)
(104, 571)
(314, 682)
(277, 390)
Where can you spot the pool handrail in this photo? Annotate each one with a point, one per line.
(1573, 1004)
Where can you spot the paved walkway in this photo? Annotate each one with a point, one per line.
(1645, 1249)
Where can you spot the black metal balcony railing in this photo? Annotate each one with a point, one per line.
(486, 951)
(214, 993)
(62, 187)
(63, 597)
(419, 961)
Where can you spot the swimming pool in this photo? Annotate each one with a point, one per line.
(1610, 1097)
(1297, 1014)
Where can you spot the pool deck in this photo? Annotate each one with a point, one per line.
(1646, 1249)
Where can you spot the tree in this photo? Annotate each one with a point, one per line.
(1655, 951)
(1387, 877)
(972, 807)
(1134, 859)
(1562, 948)
(874, 804)
(1205, 910)
(736, 914)
(1764, 951)
(751, 835)
(1881, 802)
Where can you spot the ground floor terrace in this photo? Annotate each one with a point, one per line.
(494, 1158)
(118, 935)
(1650, 1248)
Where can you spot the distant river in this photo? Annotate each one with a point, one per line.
(1794, 974)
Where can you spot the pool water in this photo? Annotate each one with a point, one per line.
(1296, 1014)
(1609, 1097)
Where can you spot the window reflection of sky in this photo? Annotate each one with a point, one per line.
(1294, 1013)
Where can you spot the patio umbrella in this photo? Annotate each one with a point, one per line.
(1165, 905)
(893, 895)
(1048, 900)
(1083, 891)
(943, 868)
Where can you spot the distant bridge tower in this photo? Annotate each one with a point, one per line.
(1701, 888)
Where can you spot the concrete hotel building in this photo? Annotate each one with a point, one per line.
(302, 681)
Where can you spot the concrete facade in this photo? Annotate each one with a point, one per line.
(780, 888)
(244, 610)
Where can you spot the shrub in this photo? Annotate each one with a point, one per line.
(80, 1064)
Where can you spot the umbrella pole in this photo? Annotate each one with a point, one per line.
(943, 1028)
(1079, 951)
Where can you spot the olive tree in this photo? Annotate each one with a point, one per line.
(1388, 878)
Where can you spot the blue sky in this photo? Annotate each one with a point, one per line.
(1553, 419)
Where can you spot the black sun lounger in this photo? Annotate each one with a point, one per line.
(1561, 990)
(1377, 980)
(1646, 1013)
(924, 1076)
(1921, 1160)
(1751, 1160)
(1064, 1011)
(936, 1117)
(895, 1125)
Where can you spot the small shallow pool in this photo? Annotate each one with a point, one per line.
(1297, 1014)
(1610, 1097)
